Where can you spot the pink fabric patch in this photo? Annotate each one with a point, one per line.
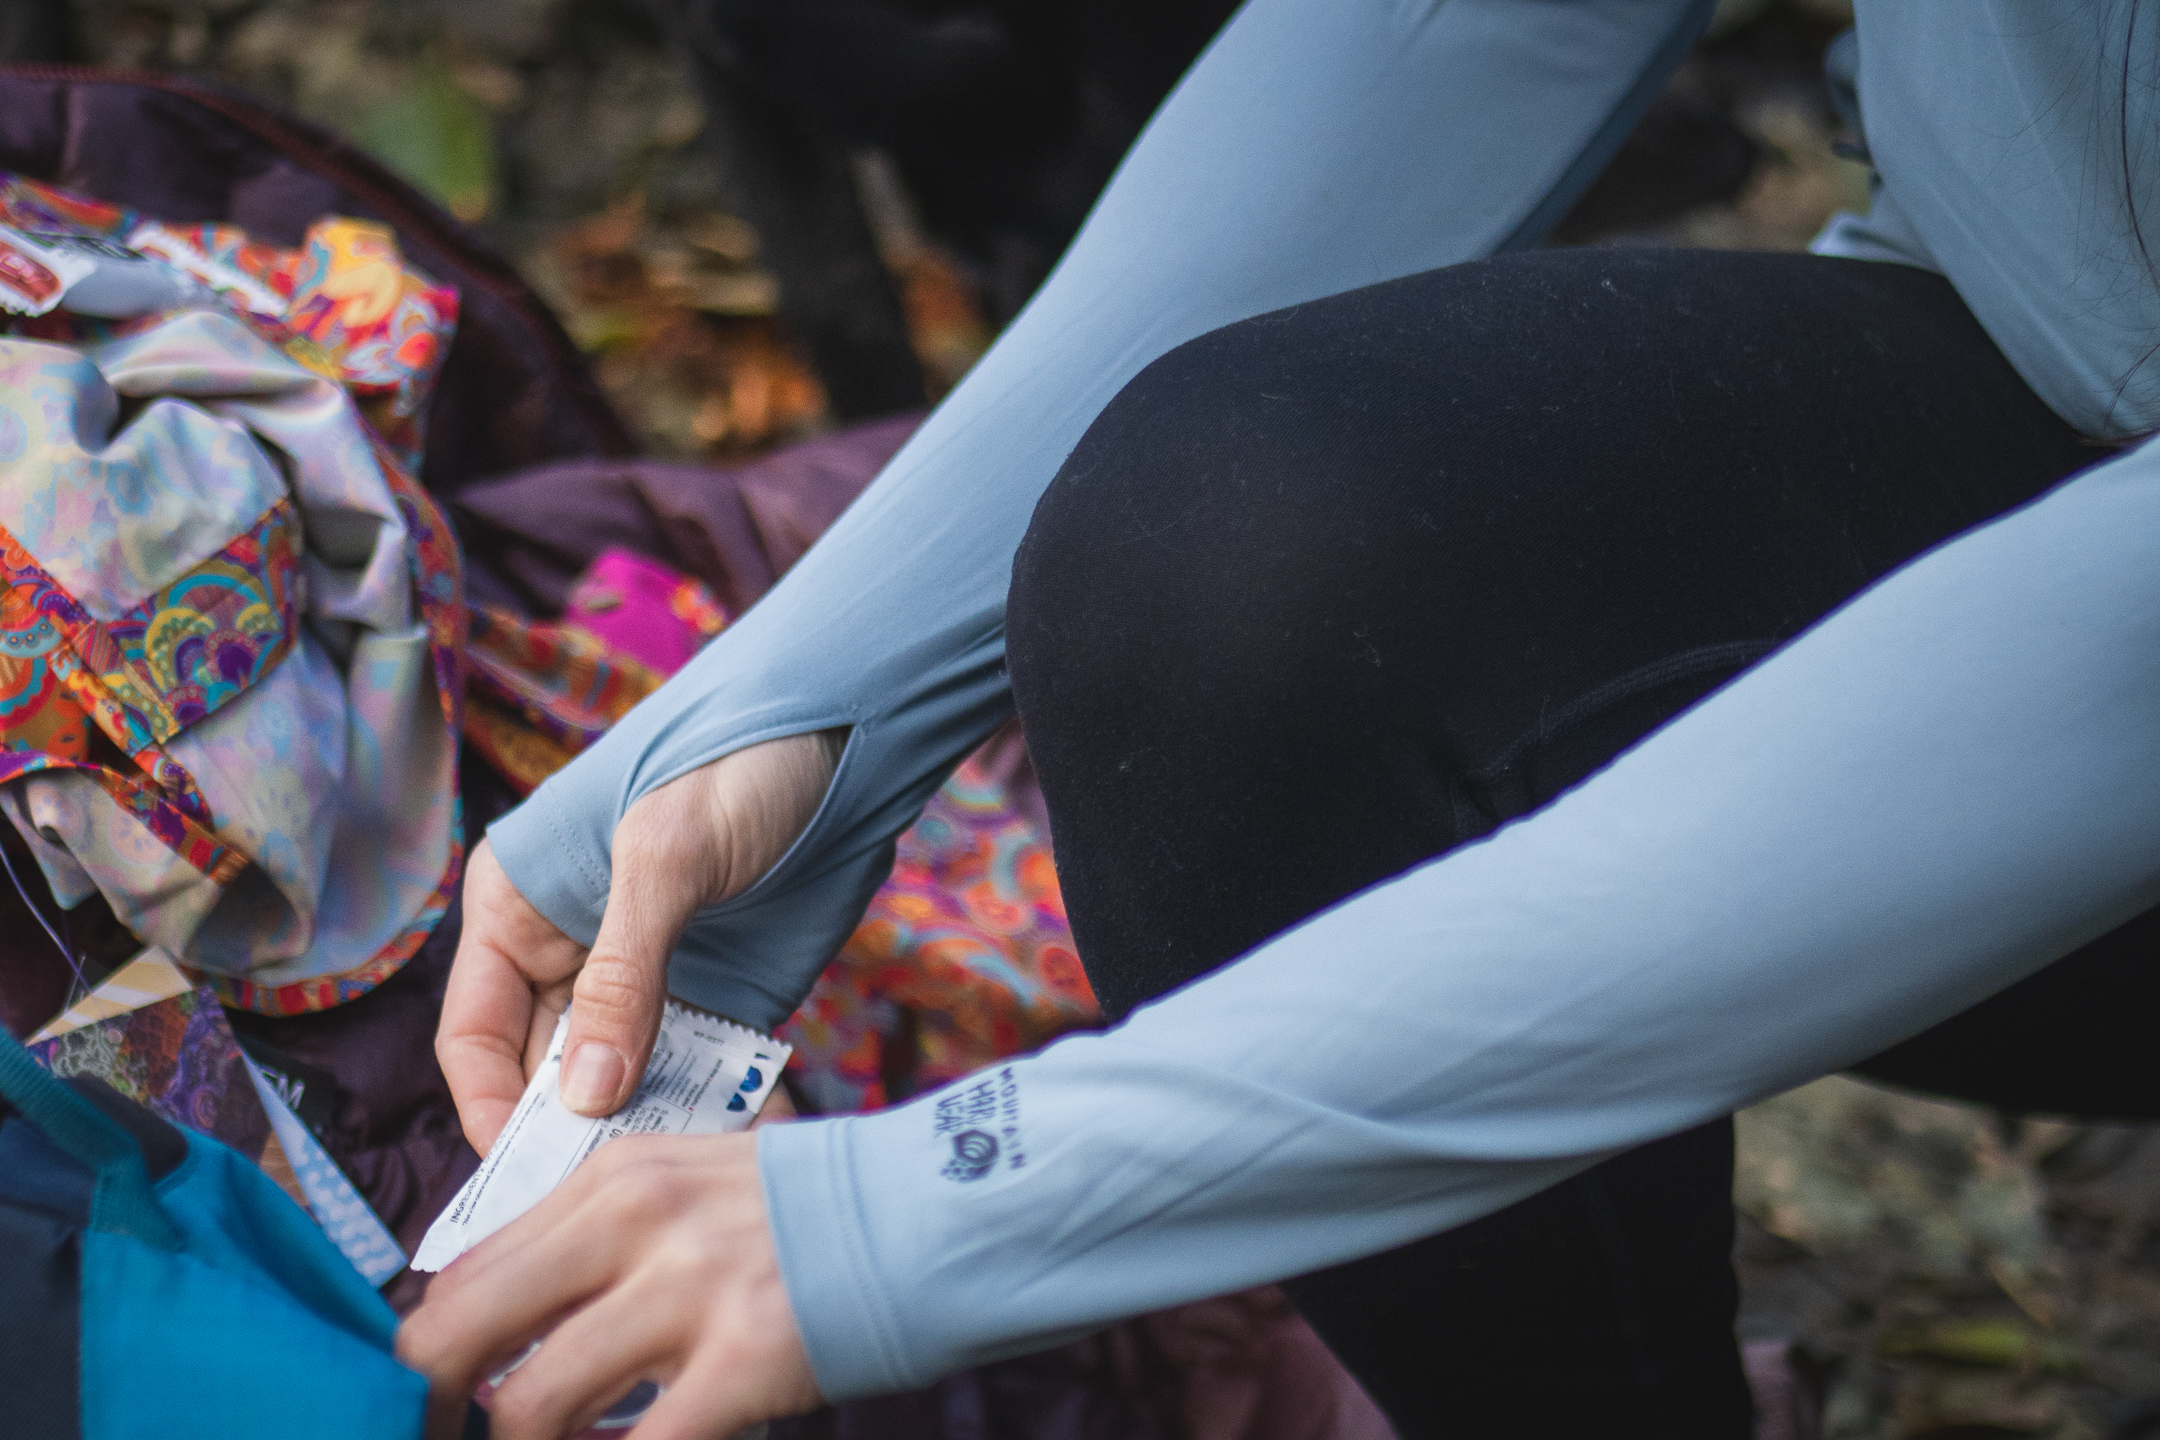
(643, 609)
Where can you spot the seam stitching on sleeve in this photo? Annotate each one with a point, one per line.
(570, 845)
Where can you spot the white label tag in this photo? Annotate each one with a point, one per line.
(708, 1076)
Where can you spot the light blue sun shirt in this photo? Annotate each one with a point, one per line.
(1945, 785)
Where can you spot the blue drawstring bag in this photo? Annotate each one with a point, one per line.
(153, 1282)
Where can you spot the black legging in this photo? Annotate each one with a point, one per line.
(1329, 592)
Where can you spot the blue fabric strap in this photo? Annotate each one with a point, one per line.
(123, 1202)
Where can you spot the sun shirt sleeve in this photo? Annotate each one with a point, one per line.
(1318, 145)
(1942, 787)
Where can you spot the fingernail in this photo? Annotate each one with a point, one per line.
(592, 1077)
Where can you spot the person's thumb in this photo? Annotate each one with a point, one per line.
(616, 1004)
(702, 837)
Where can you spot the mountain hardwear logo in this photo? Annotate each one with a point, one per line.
(974, 1152)
(981, 1117)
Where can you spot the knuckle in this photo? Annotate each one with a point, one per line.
(611, 1163)
(520, 1409)
(638, 1188)
(686, 1250)
(419, 1342)
(615, 987)
(610, 1160)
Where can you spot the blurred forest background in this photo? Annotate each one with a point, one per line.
(760, 220)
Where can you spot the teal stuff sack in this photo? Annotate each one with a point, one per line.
(152, 1282)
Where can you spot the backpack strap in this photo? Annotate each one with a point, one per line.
(123, 1202)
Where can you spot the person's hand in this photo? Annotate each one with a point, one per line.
(696, 840)
(653, 1261)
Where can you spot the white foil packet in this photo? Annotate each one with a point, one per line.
(707, 1076)
(34, 275)
(122, 281)
(87, 275)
